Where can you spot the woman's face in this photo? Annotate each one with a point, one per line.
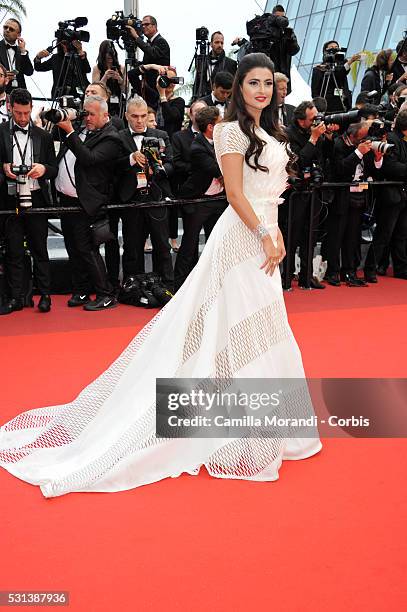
(257, 88)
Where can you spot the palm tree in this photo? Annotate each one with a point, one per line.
(15, 7)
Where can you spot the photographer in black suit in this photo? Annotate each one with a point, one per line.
(156, 51)
(181, 146)
(285, 111)
(205, 180)
(86, 169)
(217, 62)
(14, 56)
(65, 80)
(131, 185)
(22, 143)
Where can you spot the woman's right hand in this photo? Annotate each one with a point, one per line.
(273, 255)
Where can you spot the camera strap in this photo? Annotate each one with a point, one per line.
(23, 153)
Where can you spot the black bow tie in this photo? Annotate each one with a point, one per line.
(218, 103)
(2, 102)
(20, 129)
(11, 47)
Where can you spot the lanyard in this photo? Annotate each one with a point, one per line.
(23, 154)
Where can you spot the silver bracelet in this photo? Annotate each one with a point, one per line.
(260, 231)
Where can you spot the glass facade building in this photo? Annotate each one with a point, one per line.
(359, 25)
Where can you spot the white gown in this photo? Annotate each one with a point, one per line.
(227, 320)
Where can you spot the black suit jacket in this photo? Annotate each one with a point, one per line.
(22, 64)
(43, 153)
(204, 168)
(344, 166)
(395, 169)
(208, 99)
(126, 175)
(157, 52)
(288, 114)
(173, 115)
(55, 63)
(181, 145)
(223, 64)
(94, 166)
(371, 81)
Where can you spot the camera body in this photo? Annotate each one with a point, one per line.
(309, 177)
(69, 32)
(20, 187)
(334, 58)
(265, 31)
(164, 80)
(116, 29)
(377, 130)
(201, 34)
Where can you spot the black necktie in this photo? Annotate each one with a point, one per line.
(11, 47)
(20, 129)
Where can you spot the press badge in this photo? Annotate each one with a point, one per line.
(141, 180)
(114, 100)
(359, 187)
(338, 92)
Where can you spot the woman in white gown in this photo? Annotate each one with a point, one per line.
(228, 320)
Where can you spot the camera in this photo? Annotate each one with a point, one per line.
(307, 178)
(68, 31)
(20, 187)
(341, 119)
(201, 34)
(265, 30)
(69, 108)
(154, 151)
(164, 80)
(334, 57)
(116, 29)
(377, 130)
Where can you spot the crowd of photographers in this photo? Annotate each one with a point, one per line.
(123, 138)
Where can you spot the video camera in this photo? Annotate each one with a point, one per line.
(265, 30)
(69, 108)
(116, 29)
(69, 32)
(342, 119)
(334, 57)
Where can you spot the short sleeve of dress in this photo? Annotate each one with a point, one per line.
(229, 138)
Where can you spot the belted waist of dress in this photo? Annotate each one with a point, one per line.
(268, 201)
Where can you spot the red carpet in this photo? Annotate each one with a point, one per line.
(329, 535)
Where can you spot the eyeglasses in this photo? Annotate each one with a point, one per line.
(146, 24)
(9, 28)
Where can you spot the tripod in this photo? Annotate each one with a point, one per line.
(329, 74)
(202, 70)
(70, 76)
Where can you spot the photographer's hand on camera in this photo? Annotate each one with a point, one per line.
(7, 171)
(41, 54)
(133, 32)
(66, 126)
(316, 132)
(331, 128)
(364, 147)
(139, 158)
(37, 171)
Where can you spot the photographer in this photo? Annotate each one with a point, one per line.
(354, 161)
(391, 207)
(25, 145)
(111, 73)
(330, 79)
(14, 55)
(311, 141)
(86, 170)
(171, 108)
(399, 67)
(156, 51)
(181, 144)
(221, 90)
(285, 111)
(205, 180)
(138, 181)
(217, 62)
(65, 79)
(379, 76)
(100, 89)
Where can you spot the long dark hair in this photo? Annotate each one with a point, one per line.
(237, 111)
(107, 48)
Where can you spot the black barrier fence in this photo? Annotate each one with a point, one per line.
(313, 191)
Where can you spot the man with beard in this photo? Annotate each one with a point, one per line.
(217, 62)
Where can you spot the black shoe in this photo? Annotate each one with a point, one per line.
(352, 281)
(44, 305)
(103, 302)
(333, 279)
(12, 305)
(370, 277)
(314, 284)
(381, 271)
(78, 299)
